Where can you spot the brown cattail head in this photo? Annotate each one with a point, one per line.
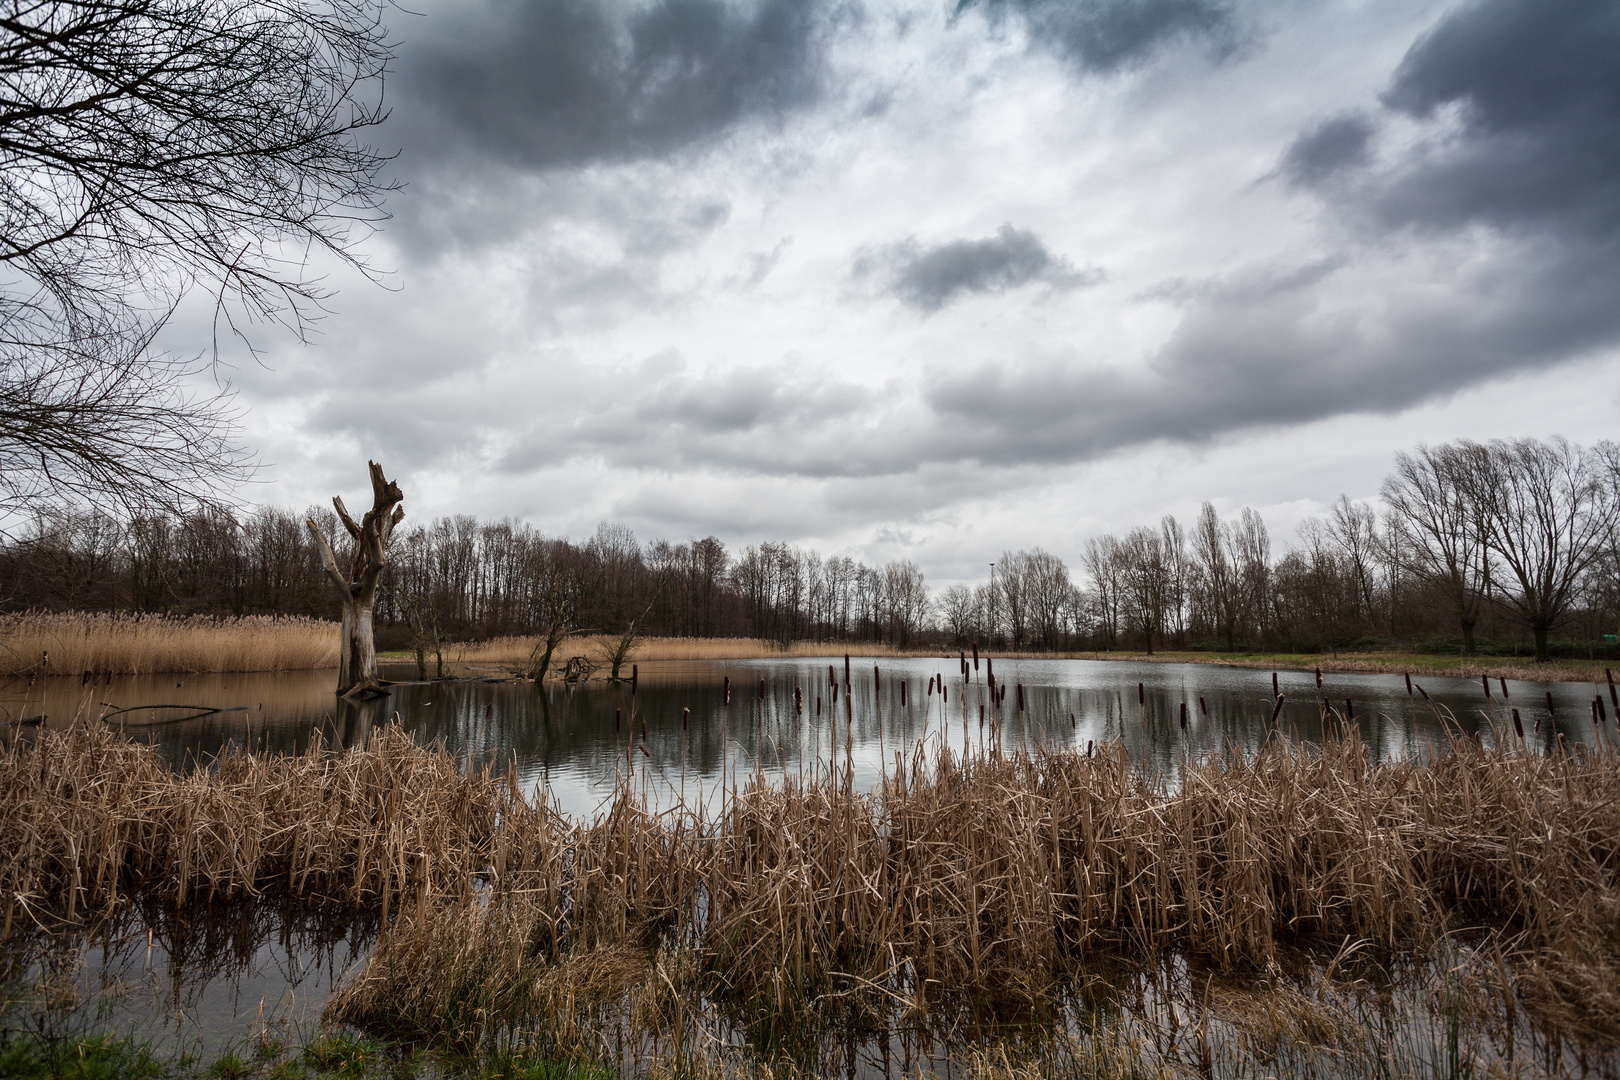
(618, 721)
(1614, 695)
(1424, 692)
(762, 689)
(1349, 710)
(1088, 747)
(1549, 703)
(931, 687)
(1141, 694)
(990, 666)
(1408, 684)
(846, 669)
(832, 676)
(1486, 683)
(1203, 707)
(727, 686)
(981, 717)
(877, 678)
(1277, 708)
(1020, 697)
(943, 696)
(1274, 690)
(902, 692)
(1318, 678)
(1183, 716)
(686, 715)
(1603, 714)
(975, 655)
(818, 704)
(1518, 726)
(1504, 689)
(634, 675)
(1073, 722)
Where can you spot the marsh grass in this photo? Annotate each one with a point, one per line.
(71, 643)
(998, 879)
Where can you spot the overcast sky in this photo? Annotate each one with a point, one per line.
(928, 280)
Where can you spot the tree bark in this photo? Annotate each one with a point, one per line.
(357, 664)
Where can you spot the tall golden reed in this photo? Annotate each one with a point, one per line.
(76, 642)
(981, 871)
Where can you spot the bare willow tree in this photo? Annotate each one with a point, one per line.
(357, 665)
(1549, 516)
(1431, 492)
(149, 148)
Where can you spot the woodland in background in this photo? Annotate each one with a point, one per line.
(1493, 548)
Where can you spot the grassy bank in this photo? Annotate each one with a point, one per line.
(71, 643)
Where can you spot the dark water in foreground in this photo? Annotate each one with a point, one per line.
(212, 975)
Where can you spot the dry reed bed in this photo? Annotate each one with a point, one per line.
(89, 819)
(77, 642)
(989, 871)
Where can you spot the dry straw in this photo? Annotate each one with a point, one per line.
(980, 871)
(70, 643)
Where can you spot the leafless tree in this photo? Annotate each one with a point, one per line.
(1354, 527)
(1549, 518)
(1050, 590)
(1432, 491)
(1178, 576)
(959, 611)
(1212, 539)
(1146, 581)
(357, 664)
(149, 147)
(1107, 569)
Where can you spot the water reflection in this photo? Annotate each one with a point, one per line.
(680, 730)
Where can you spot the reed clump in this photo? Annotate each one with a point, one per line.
(90, 820)
(69, 643)
(995, 873)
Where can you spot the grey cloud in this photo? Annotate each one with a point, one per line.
(1109, 35)
(1249, 358)
(1537, 83)
(1328, 148)
(929, 277)
(564, 83)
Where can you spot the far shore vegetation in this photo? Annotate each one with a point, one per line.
(34, 644)
(1478, 556)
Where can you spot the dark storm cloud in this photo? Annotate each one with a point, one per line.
(1108, 35)
(1535, 85)
(1326, 149)
(929, 277)
(1253, 357)
(564, 83)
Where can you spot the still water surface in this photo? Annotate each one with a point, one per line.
(210, 976)
(575, 740)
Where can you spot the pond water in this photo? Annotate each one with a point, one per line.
(211, 976)
(575, 740)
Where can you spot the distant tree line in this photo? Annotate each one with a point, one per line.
(1474, 545)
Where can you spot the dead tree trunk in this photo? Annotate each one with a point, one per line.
(357, 665)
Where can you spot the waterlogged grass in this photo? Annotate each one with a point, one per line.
(329, 1056)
